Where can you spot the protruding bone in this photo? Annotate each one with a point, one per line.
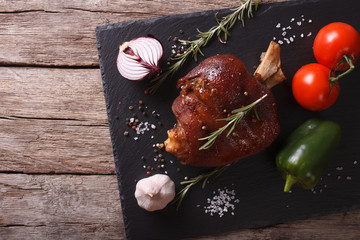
(269, 71)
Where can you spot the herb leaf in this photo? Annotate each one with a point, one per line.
(193, 181)
(237, 115)
(225, 24)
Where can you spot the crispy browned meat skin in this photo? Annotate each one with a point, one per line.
(210, 91)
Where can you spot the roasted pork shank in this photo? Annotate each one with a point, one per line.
(211, 91)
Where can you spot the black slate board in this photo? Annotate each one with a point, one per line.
(255, 181)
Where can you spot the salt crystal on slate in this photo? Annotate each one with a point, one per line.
(221, 203)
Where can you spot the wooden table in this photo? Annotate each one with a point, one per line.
(57, 177)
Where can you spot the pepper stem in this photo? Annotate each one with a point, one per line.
(290, 180)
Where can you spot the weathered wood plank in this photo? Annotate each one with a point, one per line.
(54, 146)
(62, 33)
(52, 93)
(59, 207)
(78, 207)
(53, 120)
(336, 227)
(160, 7)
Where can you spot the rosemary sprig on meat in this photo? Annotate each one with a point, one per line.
(193, 181)
(236, 116)
(221, 30)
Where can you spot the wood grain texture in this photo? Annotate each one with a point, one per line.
(53, 120)
(47, 93)
(54, 146)
(62, 33)
(59, 207)
(336, 227)
(79, 207)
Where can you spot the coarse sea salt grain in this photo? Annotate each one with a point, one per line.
(222, 202)
(295, 23)
(142, 127)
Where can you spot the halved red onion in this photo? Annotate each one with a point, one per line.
(139, 58)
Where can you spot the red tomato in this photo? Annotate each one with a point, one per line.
(311, 87)
(334, 41)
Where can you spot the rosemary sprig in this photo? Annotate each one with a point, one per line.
(193, 181)
(224, 25)
(233, 120)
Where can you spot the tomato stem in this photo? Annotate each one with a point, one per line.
(347, 60)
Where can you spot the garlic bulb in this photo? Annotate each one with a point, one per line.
(155, 192)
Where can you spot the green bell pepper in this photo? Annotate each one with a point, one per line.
(307, 152)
